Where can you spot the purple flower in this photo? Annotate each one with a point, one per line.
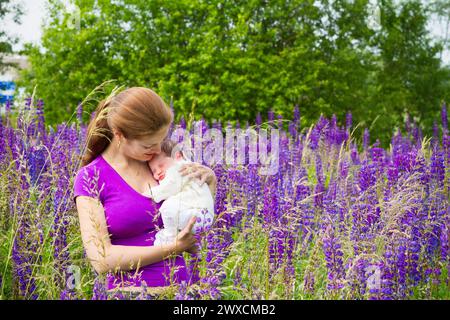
(258, 120)
(99, 291)
(348, 121)
(79, 112)
(367, 176)
(444, 117)
(270, 116)
(334, 259)
(296, 119)
(366, 138)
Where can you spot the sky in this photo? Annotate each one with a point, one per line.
(30, 29)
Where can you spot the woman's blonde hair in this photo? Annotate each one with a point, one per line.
(136, 112)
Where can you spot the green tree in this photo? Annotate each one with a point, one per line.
(231, 59)
(410, 79)
(6, 40)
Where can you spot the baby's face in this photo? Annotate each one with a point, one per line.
(159, 165)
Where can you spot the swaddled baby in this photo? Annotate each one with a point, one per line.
(183, 196)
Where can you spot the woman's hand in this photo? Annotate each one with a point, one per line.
(185, 240)
(197, 170)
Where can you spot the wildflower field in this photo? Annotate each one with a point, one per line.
(340, 219)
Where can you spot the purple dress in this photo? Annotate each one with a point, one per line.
(132, 219)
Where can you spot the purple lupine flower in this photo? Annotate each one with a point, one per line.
(2, 140)
(270, 116)
(435, 139)
(314, 138)
(237, 280)
(99, 291)
(273, 250)
(22, 270)
(348, 121)
(253, 192)
(334, 260)
(320, 187)
(292, 130)
(59, 228)
(41, 119)
(402, 265)
(444, 117)
(237, 180)
(279, 121)
(367, 176)
(296, 119)
(358, 278)
(28, 102)
(366, 138)
(79, 113)
(309, 282)
(333, 122)
(270, 207)
(8, 105)
(437, 169)
(415, 134)
(413, 258)
(67, 294)
(373, 281)
(331, 131)
(183, 293)
(446, 148)
(307, 211)
(392, 175)
(445, 247)
(445, 251)
(182, 122)
(24, 253)
(36, 164)
(387, 273)
(343, 169)
(258, 120)
(354, 155)
(376, 154)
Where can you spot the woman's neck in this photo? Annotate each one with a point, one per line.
(117, 158)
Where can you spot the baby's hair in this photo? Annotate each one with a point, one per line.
(170, 147)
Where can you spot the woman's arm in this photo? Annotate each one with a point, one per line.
(204, 173)
(105, 256)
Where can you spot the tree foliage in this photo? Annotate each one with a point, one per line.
(229, 60)
(7, 40)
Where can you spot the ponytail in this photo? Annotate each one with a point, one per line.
(99, 134)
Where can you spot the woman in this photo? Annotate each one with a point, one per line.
(117, 221)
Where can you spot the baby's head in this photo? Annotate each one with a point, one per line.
(165, 159)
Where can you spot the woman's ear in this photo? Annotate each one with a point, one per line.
(118, 134)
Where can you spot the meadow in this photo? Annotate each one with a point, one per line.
(341, 219)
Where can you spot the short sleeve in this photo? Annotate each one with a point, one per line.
(87, 183)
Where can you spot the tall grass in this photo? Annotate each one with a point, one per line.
(341, 219)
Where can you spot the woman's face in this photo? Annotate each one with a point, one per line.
(144, 149)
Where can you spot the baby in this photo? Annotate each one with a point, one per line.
(183, 196)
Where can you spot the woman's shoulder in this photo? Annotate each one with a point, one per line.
(93, 171)
(88, 179)
(92, 167)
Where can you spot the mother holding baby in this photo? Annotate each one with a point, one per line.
(118, 221)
